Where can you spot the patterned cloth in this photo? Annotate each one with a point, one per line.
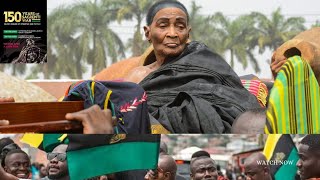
(127, 101)
(257, 88)
(294, 104)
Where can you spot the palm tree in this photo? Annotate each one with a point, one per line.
(134, 10)
(79, 34)
(275, 31)
(204, 29)
(95, 40)
(60, 55)
(224, 35)
(236, 37)
(317, 24)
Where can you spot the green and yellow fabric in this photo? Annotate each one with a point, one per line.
(294, 103)
(45, 142)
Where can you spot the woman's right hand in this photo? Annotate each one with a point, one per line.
(276, 64)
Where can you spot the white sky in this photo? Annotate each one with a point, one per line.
(309, 9)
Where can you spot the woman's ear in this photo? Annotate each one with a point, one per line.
(147, 32)
(189, 30)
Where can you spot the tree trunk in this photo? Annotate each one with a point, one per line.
(45, 71)
(232, 58)
(137, 47)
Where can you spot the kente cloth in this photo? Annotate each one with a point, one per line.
(294, 104)
(127, 101)
(258, 89)
(196, 92)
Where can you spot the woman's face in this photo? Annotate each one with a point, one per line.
(169, 32)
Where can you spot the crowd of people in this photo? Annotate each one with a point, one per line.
(16, 165)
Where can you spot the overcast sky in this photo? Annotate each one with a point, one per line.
(309, 9)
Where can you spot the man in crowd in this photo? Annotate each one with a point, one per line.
(17, 163)
(309, 157)
(203, 167)
(166, 170)
(6, 145)
(250, 122)
(255, 170)
(58, 167)
(199, 154)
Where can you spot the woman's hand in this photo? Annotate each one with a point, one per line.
(277, 63)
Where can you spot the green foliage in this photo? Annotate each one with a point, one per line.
(134, 10)
(242, 35)
(317, 24)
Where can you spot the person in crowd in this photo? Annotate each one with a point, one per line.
(43, 170)
(17, 163)
(230, 172)
(58, 166)
(6, 145)
(199, 154)
(255, 170)
(309, 157)
(203, 167)
(166, 170)
(240, 177)
(250, 122)
(203, 153)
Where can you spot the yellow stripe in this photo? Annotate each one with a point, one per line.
(282, 105)
(300, 90)
(107, 99)
(316, 103)
(308, 99)
(33, 140)
(270, 118)
(270, 145)
(62, 137)
(92, 88)
(266, 130)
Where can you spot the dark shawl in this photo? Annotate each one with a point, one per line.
(197, 92)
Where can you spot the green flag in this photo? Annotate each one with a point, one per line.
(282, 155)
(93, 155)
(45, 142)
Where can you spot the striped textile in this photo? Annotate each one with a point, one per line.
(258, 89)
(294, 103)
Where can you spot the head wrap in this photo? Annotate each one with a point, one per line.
(164, 4)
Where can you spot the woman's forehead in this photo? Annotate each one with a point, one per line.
(170, 12)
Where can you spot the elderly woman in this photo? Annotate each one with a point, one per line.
(189, 87)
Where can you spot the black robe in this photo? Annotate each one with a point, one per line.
(196, 92)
